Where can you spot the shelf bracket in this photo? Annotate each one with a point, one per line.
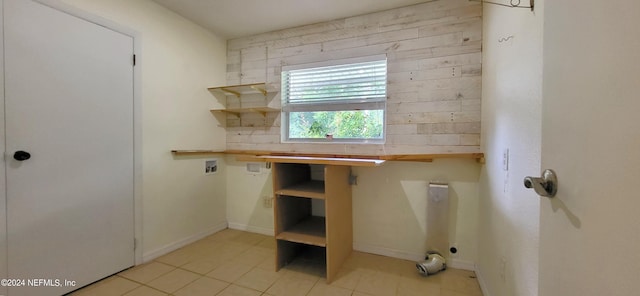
(237, 94)
(261, 90)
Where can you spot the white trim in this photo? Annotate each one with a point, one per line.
(367, 248)
(170, 247)
(90, 17)
(453, 263)
(483, 285)
(461, 264)
(364, 59)
(249, 228)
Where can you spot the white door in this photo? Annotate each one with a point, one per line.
(590, 232)
(69, 104)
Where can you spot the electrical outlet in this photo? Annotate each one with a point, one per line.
(267, 201)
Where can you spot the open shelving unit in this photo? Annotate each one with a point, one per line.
(309, 189)
(296, 227)
(238, 91)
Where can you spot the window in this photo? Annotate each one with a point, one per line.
(335, 103)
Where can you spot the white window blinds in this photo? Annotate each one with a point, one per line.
(347, 85)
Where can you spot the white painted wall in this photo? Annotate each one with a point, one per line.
(389, 206)
(511, 119)
(245, 195)
(178, 60)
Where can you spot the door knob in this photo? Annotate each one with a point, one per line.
(21, 155)
(547, 185)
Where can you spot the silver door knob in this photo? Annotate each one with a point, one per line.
(547, 185)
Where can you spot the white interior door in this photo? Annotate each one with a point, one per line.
(69, 103)
(590, 232)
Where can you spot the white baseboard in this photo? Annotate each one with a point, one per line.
(453, 263)
(483, 285)
(153, 254)
(387, 252)
(249, 228)
(461, 264)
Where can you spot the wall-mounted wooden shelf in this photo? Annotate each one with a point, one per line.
(238, 111)
(241, 89)
(196, 152)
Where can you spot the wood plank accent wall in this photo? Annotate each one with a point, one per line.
(434, 77)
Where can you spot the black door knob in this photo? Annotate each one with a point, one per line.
(21, 155)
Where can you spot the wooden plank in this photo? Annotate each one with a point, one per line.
(326, 161)
(338, 207)
(237, 111)
(310, 231)
(435, 156)
(434, 54)
(261, 156)
(240, 89)
(302, 238)
(196, 152)
(310, 189)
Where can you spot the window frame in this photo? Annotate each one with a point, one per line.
(335, 105)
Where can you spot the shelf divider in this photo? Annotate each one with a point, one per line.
(310, 189)
(310, 231)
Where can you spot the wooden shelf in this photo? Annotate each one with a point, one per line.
(310, 189)
(364, 160)
(196, 152)
(295, 226)
(337, 159)
(240, 89)
(322, 160)
(310, 231)
(238, 111)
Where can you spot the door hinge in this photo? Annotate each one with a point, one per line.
(134, 59)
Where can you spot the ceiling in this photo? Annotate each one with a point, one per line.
(239, 18)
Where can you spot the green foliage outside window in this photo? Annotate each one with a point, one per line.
(361, 124)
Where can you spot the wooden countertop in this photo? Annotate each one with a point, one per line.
(335, 159)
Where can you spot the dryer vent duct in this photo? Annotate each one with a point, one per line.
(432, 264)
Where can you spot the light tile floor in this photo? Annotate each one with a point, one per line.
(233, 262)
